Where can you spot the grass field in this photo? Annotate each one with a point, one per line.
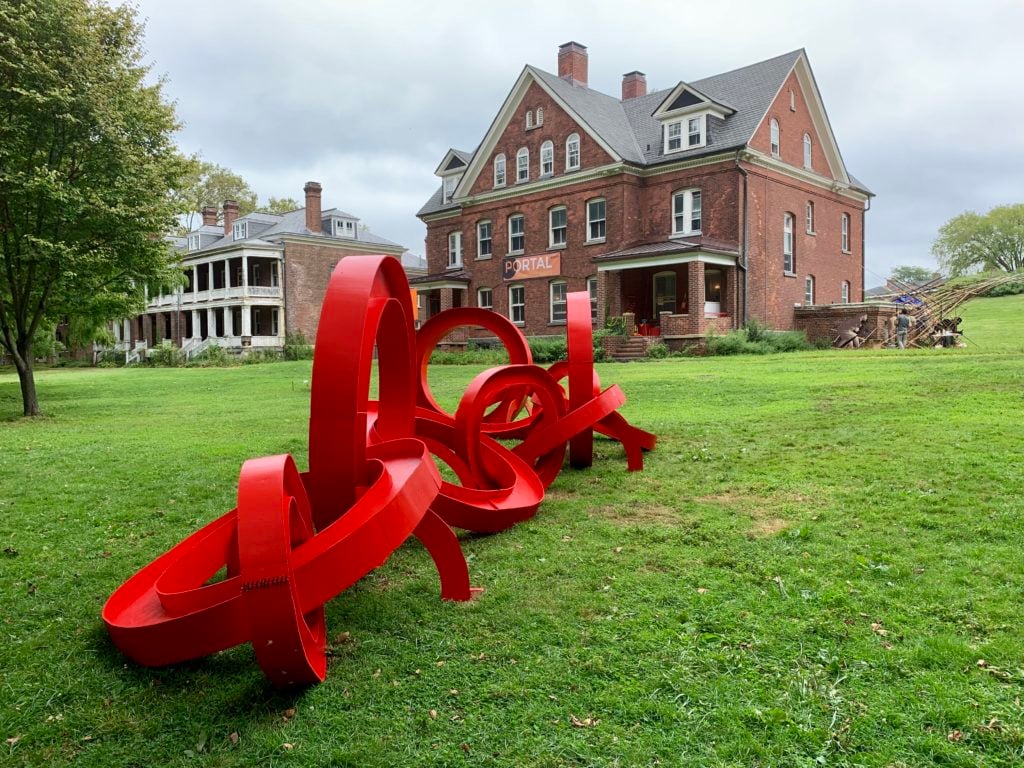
(822, 564)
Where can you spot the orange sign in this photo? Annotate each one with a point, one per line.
(525, 267)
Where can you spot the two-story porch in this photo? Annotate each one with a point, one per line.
(674, 289)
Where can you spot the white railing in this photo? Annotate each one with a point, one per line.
(264, 342)
(197, 348)
(265, 291)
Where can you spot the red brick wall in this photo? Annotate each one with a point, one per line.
(307, 269)
(772, 294)
(792, 127)
(558, 125)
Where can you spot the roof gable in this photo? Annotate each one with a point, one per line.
(686, 98)
(453, 162)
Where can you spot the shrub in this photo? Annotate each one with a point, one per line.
(211, 357)
(616, 326)
(756, 340)
(1007, 289)
(657, 350)
(257, 356)
(165, 355)
(478, 356)
(548, 350)
(599, 334)
(297, 347)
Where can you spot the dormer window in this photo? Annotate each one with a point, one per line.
(687, 133)
(193, 242)
(450, 183)
(344, 228)
(240, 230)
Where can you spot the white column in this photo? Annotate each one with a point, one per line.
(126, 330)
(210, 271)
(196, 325)
(229, 321)
(245, 272)
(211, 323)
(246, 320)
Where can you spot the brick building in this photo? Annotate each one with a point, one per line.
(695, 207)
(252, 279)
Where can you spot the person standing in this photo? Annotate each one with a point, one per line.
(902, 326)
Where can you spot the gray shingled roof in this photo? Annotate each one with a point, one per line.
(630, 129)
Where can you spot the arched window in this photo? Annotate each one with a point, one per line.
(572, 152)
(846, 232)
(810, 217)
(540, 116)
(529, 119)
(664, 293)
(788, 260)
(809, 290)
(845, 292)
(547, 158)
(775, 137)
(807, 151)
(499, 171)
(523, 165)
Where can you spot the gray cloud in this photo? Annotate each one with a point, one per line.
(366, 97)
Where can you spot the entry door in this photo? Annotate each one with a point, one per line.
(713, 281)
(664, 294)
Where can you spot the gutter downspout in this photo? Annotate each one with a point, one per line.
(742, 261)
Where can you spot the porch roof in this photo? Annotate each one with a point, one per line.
(671, 251)
(453, 278)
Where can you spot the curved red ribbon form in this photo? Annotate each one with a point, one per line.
(296, 540)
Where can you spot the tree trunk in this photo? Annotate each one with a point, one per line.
(27, 378)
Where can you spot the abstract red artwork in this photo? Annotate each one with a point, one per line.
(297, 539)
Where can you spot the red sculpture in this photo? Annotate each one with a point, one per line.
(296, 540)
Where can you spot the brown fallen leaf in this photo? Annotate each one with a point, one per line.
(981, 663)
(13, 740)
(433, 714)
(233, 737)
(464, 747)
(376, 674)
(343, 637)
(587, 722)
(439, 664)
(454, 692)
(288, 714)
(567, 538)
(955, 735)
(287, 747)
(701, 591)
(878, 629)
(617, 550)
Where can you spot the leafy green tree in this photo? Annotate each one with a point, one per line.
(209, 184)
(280, 205)
(87, 168)
(910, 274)
(973, 242)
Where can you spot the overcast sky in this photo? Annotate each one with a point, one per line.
(925, 98)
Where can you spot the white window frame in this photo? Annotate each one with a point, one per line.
(674, 133)
(592, 220)
(522, 165)
(808, 151)
(514, 305)
(809, 217)
(540, 116)
(448, 185)
(194, 242)
(529, 119)
(809, 291)
(511, 234)
(558, 310)
(592, 290)
(775, 137)
(844, 292)
(239, 230)
(454, 249)
(788, 256)
(480, 298)
(558, 236)
(499, 170)
(572, 152)
(686, 215)
(845, 232)
(547, 159)
(480, 239)
(275, 275)
(700, 132)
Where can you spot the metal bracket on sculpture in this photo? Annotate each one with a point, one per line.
(296, 540)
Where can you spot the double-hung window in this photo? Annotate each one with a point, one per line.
(592, 290)
(674, 136)
(788, 262)
(193, 242)
(516, 233)
(810, 218)
(686, 212)
(485, 298)
(846, 233)
(547, 158)
(807, 151)
(484, 245)
(845, 291)
(499, 171)
(239, 230)
(557, 227)
(454, 249)
(809, 290)
(572, 152)
(523, 165)
(559, 302)
(450, 183)
(595, 220)
(695, 131)
(517, 304)
(775, 137)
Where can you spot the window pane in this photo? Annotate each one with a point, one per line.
(695, 212)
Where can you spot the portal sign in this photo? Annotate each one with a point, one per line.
(524, 267)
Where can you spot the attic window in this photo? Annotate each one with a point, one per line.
(344, 228)
(240, 230)
(529, 119)
(450, 182)
(694, 129)
(193, 242)
(540, 116)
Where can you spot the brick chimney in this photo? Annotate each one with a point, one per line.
(634, 85)
(572, 63)
(209, 215)
(313, 216)
(230, 214)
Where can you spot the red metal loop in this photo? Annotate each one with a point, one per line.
(296, 540)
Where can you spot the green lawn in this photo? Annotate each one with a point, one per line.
(821, 565)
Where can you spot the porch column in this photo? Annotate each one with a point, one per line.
(695, 298)
(197, 330)
(732, 299)
(245, 273)
(228, 322)
(211, 323)
(210, 272)
(246, 320)
(126, 330)
(612, 298)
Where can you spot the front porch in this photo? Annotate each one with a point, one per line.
(678, 297)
